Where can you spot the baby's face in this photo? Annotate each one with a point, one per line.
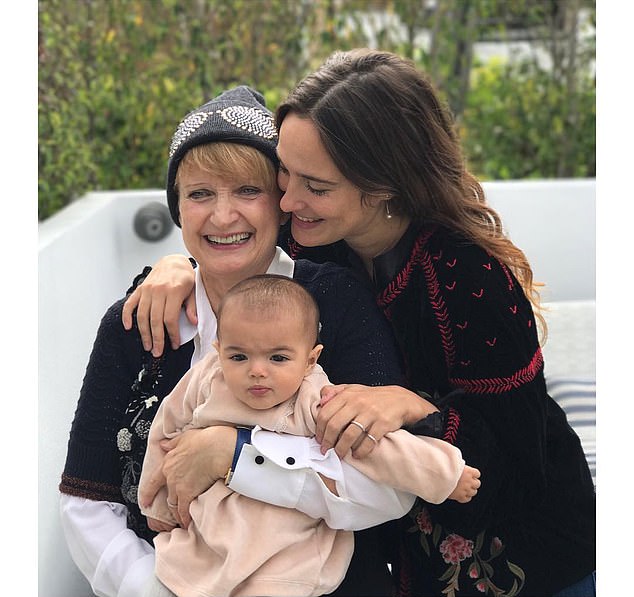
(264, 358)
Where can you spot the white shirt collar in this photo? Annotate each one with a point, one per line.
(204, 333)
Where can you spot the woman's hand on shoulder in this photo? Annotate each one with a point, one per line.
(158, 301)
(356, 417)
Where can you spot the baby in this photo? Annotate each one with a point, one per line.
(265, 375)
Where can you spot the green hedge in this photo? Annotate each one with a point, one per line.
(116, 77)
(520, 122)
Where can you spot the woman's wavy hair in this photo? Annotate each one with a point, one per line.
(386, 130)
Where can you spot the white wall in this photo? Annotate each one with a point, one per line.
(553, 222)
(88, 255)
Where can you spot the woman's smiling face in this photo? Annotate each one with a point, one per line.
(326, 207)
(230, 226)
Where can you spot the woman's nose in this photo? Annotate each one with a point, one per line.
(289, 202)
(224, 211)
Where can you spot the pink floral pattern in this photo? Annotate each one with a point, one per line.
(423, 520)
(455, 549)
(465, 556)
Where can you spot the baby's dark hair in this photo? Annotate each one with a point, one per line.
(274, 294)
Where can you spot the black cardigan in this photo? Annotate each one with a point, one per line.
(467, 334)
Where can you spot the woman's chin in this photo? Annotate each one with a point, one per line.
(308, 234)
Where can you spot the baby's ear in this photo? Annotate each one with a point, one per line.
(313, 356)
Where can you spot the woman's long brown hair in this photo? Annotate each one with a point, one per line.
(387, 131)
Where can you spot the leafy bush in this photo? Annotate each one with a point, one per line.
(520, 122)
(116, 77)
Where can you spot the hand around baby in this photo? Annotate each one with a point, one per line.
(197, 458)
(375, 412)
(194, 461)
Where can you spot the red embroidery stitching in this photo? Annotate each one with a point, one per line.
(487, 266)
(293, 248)
(453, 422)
(451, 263)
(508, 275)
(420, 256)
(478, 294)
(450, 286)
(498, 385)
(395, 287)
(440, 309)
(463, 326)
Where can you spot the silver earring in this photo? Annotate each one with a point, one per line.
(388, 214)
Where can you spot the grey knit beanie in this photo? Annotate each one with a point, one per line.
(238, 115)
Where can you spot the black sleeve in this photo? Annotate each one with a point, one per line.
(92, 463)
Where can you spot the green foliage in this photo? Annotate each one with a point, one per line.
(116, 77)
(522, 123)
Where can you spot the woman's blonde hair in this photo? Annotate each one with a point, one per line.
(228, 160)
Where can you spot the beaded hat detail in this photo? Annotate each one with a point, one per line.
(238, 115)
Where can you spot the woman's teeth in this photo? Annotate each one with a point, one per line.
(306, 219)
(229, 240)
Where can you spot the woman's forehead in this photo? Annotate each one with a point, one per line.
(300, 147)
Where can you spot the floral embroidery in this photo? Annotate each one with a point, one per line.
(130, 479)
(464, 556)
(142, 428)
(132, 438)
(124, 442)
(455, 549)
(149, 401)
(423, 520)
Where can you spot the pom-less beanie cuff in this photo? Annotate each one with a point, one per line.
(238, 115)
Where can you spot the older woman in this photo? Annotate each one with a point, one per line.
(222, 190)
